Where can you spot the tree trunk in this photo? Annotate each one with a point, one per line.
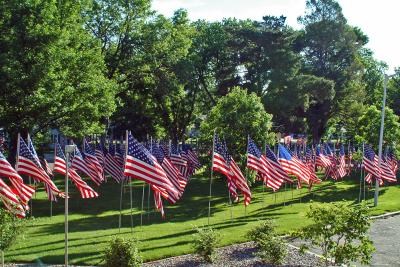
(2, 258)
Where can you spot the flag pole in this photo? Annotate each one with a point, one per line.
(211, 176)
(68, 150)
(148, 192)
(361, 176)
(381, 140)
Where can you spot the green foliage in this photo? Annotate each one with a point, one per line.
(205, 242)
(264, 228)
(121, 252)
(340, 231)
(10, 229)
(369, 125)
(272, 248)
(235, 116)
(52, 70)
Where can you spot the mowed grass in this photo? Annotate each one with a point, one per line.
(93, 222)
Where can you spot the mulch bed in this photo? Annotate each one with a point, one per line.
(237, 255)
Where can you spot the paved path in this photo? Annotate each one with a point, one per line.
(386, 236)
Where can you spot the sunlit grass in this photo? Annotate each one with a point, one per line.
(93, 222)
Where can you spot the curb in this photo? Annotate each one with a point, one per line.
(386, 215)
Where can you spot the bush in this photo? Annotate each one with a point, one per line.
(10, 228)
(341, 231)
(264, 228)
(121, 252)
(205, 243)
(272, 248)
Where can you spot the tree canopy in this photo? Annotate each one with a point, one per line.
(101, 66)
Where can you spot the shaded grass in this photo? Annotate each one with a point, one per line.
(93, 222)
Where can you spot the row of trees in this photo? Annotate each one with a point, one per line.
(95, 66)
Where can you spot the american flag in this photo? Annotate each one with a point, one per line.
(120, 154)
(60, 166)
(158, 202)
(29, 165)
(273, 160)
(10, 200)
(112, 166)
(140, 164)
(92, 162)
(78, 163)
(350, 156)
(292, 166)
(191, 156)
(369, 161)
(320, 159)
(172, 172)
(46, 167)
(221, 163)
(342, 163)
(2, 141)
(99, 153)
(258, 162)
(240, 181)
(332, 169)
(176, 159)
(25, 192)
(392, 160)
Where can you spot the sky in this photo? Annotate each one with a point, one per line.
(379, 19)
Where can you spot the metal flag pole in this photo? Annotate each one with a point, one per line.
(361, 177)
(68, 150)
(211, 176)
(381, 139)
(130, 182)
(120, 206)
(148, 191)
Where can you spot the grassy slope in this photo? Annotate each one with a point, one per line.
(93, 222)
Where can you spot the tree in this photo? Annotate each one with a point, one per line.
(10, 228)
(341, 231)
(369, 124)
(234, 117)
(331, 48)
(52, 71)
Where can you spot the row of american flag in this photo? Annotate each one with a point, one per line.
(301, 162)
(167, 169)
(160, 164)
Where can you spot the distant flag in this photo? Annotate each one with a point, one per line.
(371, 165)
(171, 171)
(60, 166)
(140, 164)
(320, 159)
(350, 157)
(111, 163)
(78, 163)
(158, 203)
(176, 158)
(342, 163)
(392, 160)
(240, 181)
(93, 163)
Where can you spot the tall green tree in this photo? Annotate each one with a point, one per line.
(234, 117)
(369, 125)
(52, 72)
(330, 47)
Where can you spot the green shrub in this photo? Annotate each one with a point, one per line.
(205, 242)
(10, 228)
(272, 248)
(121, 252)
(341, 231)
(264, 228)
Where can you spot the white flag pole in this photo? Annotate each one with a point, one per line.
(381, 139)
(211, 175)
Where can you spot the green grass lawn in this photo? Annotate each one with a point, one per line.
(93, 222)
